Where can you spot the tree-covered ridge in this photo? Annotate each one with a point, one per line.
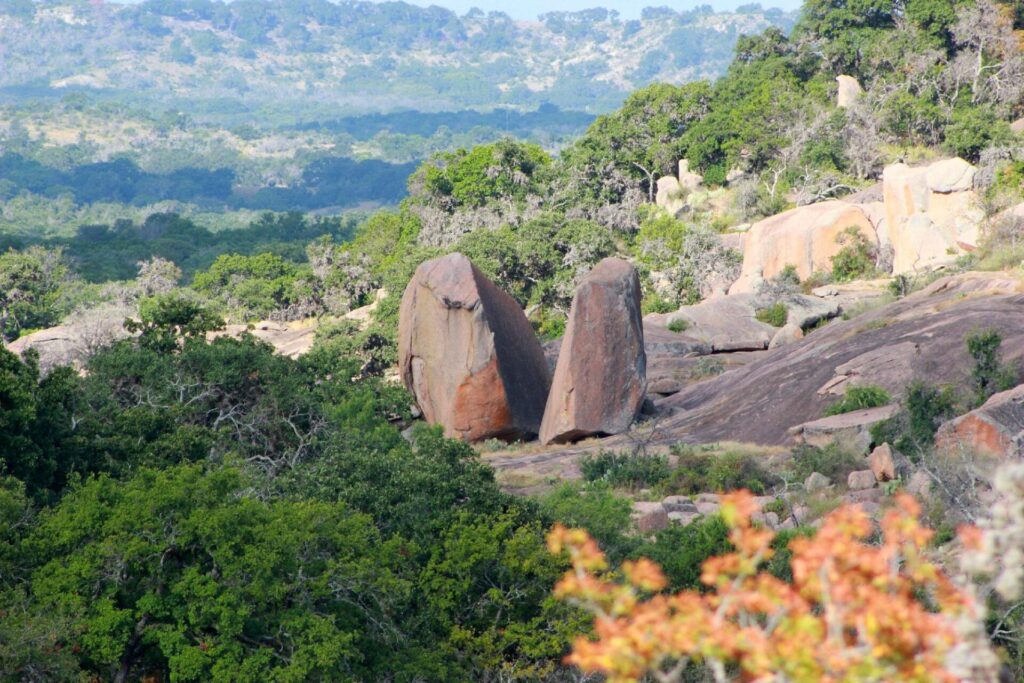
(313, 58)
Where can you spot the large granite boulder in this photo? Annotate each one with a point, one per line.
(468, 354)
(931, 213)
(994, 429)
(805, 237)
(847, 91)
(601, 377)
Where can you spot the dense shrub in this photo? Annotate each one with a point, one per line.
(774, 315)
(855, 259)
(989, 374)
(682, 550)
(626, 470)
(697, 472)
(925, 408)
(834, 461)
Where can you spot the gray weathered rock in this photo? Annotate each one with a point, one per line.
(679, 504)
(816, 481)
(786, 335)
(649, 518)
(860, 480)
(852, 430)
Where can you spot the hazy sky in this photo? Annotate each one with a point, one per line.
(629, 9)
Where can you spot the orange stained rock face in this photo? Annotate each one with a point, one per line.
(480, 410)
(978, 433)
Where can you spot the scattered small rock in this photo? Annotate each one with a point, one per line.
(679, 504)
(920, 485)
(861, 480)
(649, 517)
(683, 518)
(816, 482)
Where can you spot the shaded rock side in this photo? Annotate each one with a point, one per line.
(468, 354)
(994, 429)
(601, 377)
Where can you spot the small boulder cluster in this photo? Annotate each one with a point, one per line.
(471, 359)
(789, 510)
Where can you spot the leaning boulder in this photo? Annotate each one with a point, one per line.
(994, 429)
(468, 354)
(601, 376)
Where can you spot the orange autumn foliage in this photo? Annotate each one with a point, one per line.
(853, 612)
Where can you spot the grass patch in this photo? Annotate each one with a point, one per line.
(625, 470)
(774, 315)
(699, 472)
(834, 461)
(859, 398)
(678, 325)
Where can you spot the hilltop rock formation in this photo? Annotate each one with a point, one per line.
(601, 377)
(994, 429)
(468, 354)
(804, 237)
(927, 216)
(931, 213)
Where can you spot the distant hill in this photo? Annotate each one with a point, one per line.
(292, 63)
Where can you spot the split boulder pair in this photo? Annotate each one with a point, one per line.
(470, 357)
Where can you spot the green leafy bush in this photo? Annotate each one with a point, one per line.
(989, 373)
(834, 461)
(925, 408)
(855, 259)
(774, 315)
(593, 506)
(625, 470)
(697, 472)
(859, 398)
(681, 551)
(677, 325)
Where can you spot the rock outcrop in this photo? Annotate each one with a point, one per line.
(671, 195)
(848, 90)
(805, 237)
(931, 213)
(852, 430)
(468, 354)
(994, 429)
(726, 323)
(674, 192)
(600, 380)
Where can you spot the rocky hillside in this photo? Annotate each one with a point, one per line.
(318, 60)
